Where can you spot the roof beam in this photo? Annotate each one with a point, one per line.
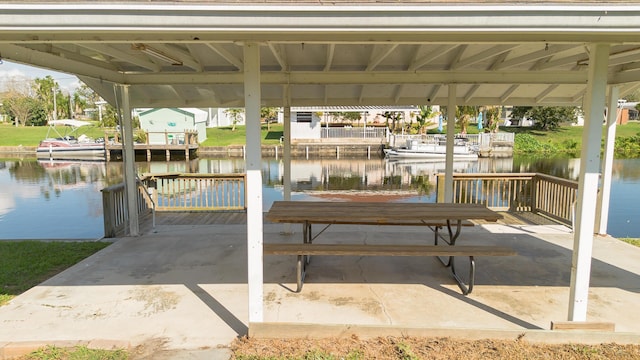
(573, 59)
(122, 56)
(629, 89)
(577, 97)
(280, 56)
(507, 94)
(543, 95)
(329, 58)
(625, 77)
(439, 51)
(483, 55)
(185, 57)
(471, 93)
(547, 51)
(434, 92)
(457, 56)
(398, 93)
(379, 53)
(326, 93)
(228, 56)
(356, 77)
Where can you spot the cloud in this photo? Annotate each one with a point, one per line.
(8, 70)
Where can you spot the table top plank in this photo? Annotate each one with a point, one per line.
(326, 212)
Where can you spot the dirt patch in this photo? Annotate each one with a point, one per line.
(423, 348)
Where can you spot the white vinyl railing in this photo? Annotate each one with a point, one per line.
(354, 132)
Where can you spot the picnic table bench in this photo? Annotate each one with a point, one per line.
(435, 216)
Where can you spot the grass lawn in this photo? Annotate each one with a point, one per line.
(31, 135)
(566, 134)
(631, 241)
(25, 264)
(75, 353)
(224, 136)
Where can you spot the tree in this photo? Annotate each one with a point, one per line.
(394, 116)
(464, 114)
(426, 113)
(46, 88)
(492, 118)
(110, 116)
(85, 98)
(268, 114)
(351, 116)
(17, 101)
(236, 116)
(547, 117)
(37, 113)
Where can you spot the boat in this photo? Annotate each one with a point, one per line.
(68, 146)
(433, 150)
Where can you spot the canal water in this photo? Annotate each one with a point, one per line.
(62, 200)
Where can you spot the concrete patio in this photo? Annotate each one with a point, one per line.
(183, 289)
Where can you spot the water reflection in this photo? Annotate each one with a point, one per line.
(64, 198)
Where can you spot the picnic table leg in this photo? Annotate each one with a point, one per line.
(301, 271)
(453, 236)
(307, 238)
(465, 288)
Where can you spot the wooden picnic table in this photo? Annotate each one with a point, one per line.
(433, 215)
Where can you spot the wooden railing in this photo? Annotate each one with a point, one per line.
(173, 192)
(114, 208)
(546, 195)
(186, 137)
(197, 192)
(555, 197)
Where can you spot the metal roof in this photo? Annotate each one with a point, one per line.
(190, 53)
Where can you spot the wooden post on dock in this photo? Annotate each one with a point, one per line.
(187, 141)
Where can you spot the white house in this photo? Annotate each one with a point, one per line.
(219, 117)
(173, 121)
(307, 122)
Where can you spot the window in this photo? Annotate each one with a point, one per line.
(303, 117)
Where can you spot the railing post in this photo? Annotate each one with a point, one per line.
(534, 194)
(107, 206)
(439, 188)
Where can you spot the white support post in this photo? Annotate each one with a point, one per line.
(451, 132)
(602, 218)
(254, 181)
(287, 159)
(588, 182)
(129, 161)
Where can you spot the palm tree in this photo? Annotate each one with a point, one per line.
(236, 116)
(426, 113)
(464, 114)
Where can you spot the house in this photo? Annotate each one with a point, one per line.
(172, 123)
(312, 123)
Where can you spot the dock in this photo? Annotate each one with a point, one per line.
(153, 145)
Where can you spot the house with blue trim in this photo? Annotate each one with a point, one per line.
(174, 122)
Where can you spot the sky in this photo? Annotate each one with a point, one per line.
(8, 70)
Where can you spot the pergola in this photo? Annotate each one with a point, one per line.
(315, 53)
